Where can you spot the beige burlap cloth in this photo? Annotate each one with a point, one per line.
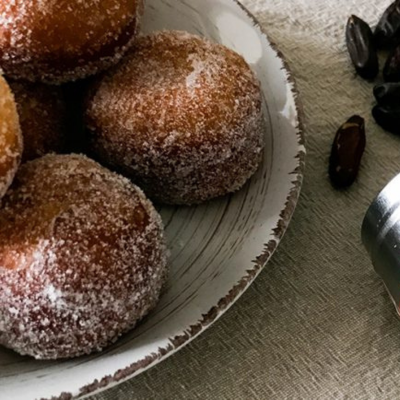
(317, 323)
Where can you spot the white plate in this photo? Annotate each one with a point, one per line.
(217, 249)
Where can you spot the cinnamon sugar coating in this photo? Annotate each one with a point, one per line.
(82, 258)
(56, 41)
(181, 116)
(10, 137)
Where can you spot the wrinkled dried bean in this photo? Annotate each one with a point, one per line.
(361, 47)
(388, 117)
(391, 71)
(347, 150)
(387, 32)
(387, 93)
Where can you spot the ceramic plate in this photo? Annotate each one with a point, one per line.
(217, 249)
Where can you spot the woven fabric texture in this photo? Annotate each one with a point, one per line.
(317, 323)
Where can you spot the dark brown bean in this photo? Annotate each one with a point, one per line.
(391, 70)
(347, 151)
(387, 93)
(361, 47)
(388, 117)
(387, 32)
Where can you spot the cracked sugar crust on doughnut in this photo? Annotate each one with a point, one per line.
(82, 258)
(10, 137)
(56, 41)
(181, 116)
(43, 117)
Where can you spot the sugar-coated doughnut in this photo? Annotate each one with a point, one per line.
(43, 118)
(58, 41)
(10, 137)
(181, 116)
(82, 258)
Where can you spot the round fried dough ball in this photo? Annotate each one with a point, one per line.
(181, 116)
(43, 117)
(58, 41)
(10, 137)
(82, 258)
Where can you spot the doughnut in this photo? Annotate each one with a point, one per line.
(181, 116)
(10, 137)
(65, 40)
(43, 118)
(82, 258)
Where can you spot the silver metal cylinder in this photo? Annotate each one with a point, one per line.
(381, 237)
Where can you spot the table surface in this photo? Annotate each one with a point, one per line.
(317, 323)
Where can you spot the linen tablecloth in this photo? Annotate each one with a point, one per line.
(317, 323)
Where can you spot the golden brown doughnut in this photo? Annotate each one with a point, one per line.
(82, 258)
(179, 115)
(43, 118)
(10, 137)
(58, 41)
